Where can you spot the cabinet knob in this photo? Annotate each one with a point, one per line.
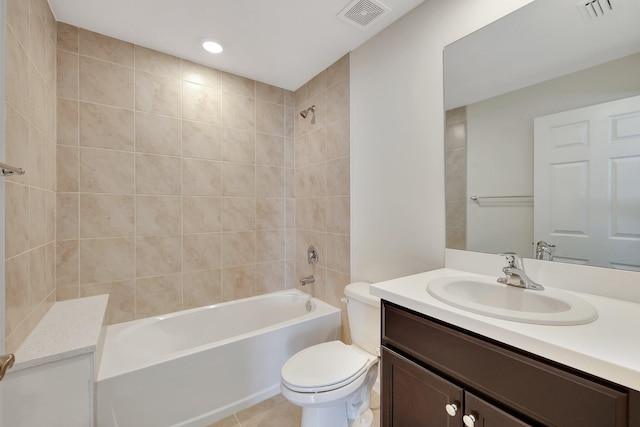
(469, 420)
(451, 409)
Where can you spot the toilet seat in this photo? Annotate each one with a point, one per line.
(324, 367)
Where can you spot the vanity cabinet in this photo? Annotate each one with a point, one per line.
(429, 366)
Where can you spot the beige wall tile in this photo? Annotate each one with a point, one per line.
(237, 84)
(158, 295)
(238, 145)
(106, 215)
(102, 126)
(16, 219)
(17, 141)
(158, 134)
(106, 171)
(338, 177)
(270, 277)
(202, 288)
(201, 214)
(157, 255)
(68, 74)
(37, 217)
(158, 215)
(317, 85)
(37, 158)
(199, 74)
(238, 180)
(270, 93)
(238, 282)
(269, 118)
(269, 150)
(317, 214)
(338, 101)
(67, 293)
(106, 83)
(17, 75)
(67, 122)
(317, 145)
(122, 297)
(238, 213)
(16, 291)
(67, 37)
(269, 181)
(156, 62)
(201, 140)
(200, 103)
(338, 139)
(201, 178)
(67, 263)
(103, 260)
(338, 214)
(106, 48)
(270, 214)
(157, 94)
(338, 253)
(238, 248)
(238, 111)
(270, 245)
(317, 180)
(67, 168)
(37, 277)
(38, 43)
(18, 19)
(202, 251)
(339, 70)
(157, 174)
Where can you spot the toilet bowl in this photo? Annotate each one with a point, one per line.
(332, 381)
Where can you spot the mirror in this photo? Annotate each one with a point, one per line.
(543, 60)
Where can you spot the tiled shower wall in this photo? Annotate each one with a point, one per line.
(456, 177)
(30, 143)
(322, 184)
(173, 179)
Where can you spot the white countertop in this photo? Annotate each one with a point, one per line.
(608, 348)
(70, 328)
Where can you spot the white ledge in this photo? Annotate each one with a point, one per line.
(70, 328)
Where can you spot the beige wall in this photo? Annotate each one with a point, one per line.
(321, 160)
(30, 144)
(171, 179)
(167, 185)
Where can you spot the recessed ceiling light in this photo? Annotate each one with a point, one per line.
(211, 46)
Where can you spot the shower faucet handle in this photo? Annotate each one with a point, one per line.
(312, 255)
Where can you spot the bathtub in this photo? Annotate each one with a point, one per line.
(195, 367)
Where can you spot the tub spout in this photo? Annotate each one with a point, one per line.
(307, 280)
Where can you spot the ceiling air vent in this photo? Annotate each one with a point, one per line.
(591, 9)
(362, 13)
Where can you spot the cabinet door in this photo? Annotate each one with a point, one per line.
(486, 415)
(415, 397)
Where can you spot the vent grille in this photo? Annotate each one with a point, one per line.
(591, 9)
(361, 13)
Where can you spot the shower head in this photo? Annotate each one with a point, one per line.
(305, 113)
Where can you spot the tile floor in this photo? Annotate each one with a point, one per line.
(279, 412)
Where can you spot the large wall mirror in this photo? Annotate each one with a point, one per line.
(543, 134)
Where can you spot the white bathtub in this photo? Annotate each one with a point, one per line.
(195, 367)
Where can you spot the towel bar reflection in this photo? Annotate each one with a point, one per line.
(475, 198)
(10, 170)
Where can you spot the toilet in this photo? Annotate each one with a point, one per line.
(332, 381)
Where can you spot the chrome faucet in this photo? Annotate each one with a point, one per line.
(542, 248)
(515, 275)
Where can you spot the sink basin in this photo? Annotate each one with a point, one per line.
(486, 296)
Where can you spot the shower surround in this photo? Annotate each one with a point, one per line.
(178, 185)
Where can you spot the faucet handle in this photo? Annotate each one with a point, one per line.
(513, 259)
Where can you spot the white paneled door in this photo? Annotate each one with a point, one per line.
(587, 184)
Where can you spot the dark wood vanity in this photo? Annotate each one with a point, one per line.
(435, 374)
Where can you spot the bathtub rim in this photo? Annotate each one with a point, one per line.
(320, 308)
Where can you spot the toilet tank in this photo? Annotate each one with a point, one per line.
(364, 317)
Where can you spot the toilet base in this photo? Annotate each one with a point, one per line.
(334, 416)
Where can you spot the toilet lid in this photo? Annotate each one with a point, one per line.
(323, 367)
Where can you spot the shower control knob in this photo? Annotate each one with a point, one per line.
(452, 409)
(469, 420)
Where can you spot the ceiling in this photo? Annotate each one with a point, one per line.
(280, 42)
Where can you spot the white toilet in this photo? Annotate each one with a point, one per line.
(332, 381)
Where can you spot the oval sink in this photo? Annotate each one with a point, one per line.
(486, 296)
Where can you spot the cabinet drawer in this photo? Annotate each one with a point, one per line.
(538, 390)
